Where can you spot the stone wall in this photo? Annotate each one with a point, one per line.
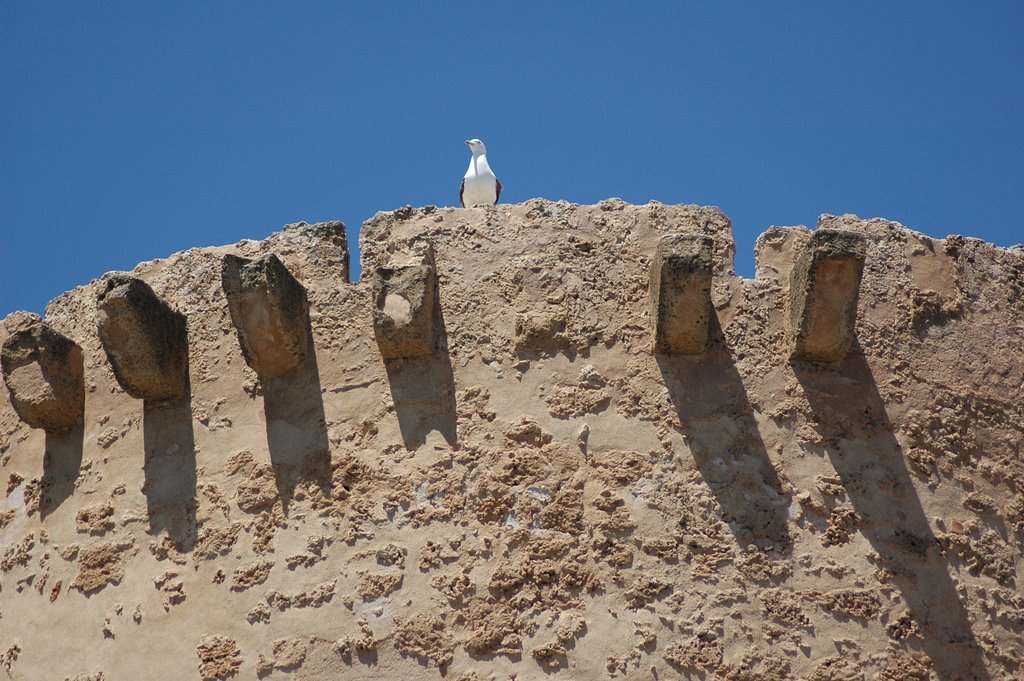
(473, 463)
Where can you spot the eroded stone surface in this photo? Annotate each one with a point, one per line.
(824, 287)
(219, 657)
(270, 312)
(541, 331)
(16, 321)
(145, 340)
(43, 370)
(404, 305)
(681, 293)
(588, 509)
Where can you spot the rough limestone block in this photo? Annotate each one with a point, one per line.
(270, 311)
(541, 331)
(145, 340)
(20, 319)
(403, 306)
(44, 371)
(681, 293)
(823, 289)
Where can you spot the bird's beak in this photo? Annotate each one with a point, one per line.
(467, 143)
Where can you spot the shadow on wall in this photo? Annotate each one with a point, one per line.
(297, 428)
(423, 390)
(62, 460)
(718, 420)
(170, 468)
(850, 414)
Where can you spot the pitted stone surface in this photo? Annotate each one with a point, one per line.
(681, 293)
(588, 509)
(324, 246)
(824, 287)
(145, 340)
(16, 321)
(270, 313)
(404, 302)
(542, 331)
(43, 371)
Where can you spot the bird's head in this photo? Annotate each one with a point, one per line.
(476, 146)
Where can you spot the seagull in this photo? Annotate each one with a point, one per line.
(479, 186)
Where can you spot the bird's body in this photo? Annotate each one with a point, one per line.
(479, 185)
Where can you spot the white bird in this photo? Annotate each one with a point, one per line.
(479, 185)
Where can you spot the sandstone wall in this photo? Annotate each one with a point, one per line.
(537, 494)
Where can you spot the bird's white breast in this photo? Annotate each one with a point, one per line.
(481, 186)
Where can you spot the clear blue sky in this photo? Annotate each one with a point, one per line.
(131, 130)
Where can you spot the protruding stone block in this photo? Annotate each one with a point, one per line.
(145, 340)
(44, 372)
(270, 311)
(823, 289)
(681, 293)
(541, 331)
(404, 298)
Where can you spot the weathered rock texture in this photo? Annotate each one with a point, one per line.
(145, 340)
(681, 293)
(43, 372)
(823, 288)
(543, 494)
(404, 304)
(270, 312)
